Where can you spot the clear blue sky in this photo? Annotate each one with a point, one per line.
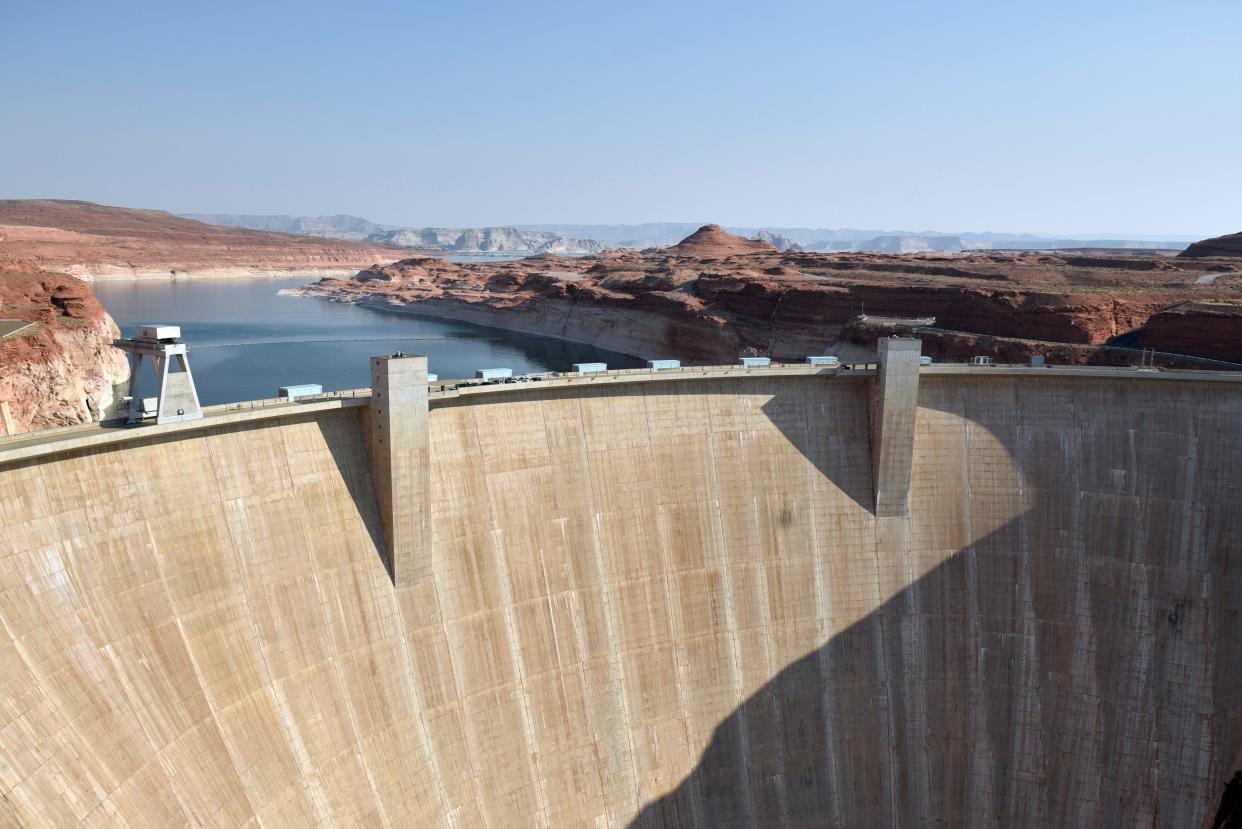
(1064, 117)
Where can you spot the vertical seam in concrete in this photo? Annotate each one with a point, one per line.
(335, 657)
(1193, 538)
(824, 626)
(1082, 667)
(406, 650)
(675, 624)
(198, 676)
(317, 796)
(54, 707)
(883, 679)
(610, 614)
(1025, 704)
(913, 680)
(350, 714)
(156, 752)
(579, 635)
(538, 780)
(455, 673)
(433, 763)
(981, 750)
(749, 438)
(726, 589)
(407, 666)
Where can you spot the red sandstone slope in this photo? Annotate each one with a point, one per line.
(1207, 328)
(1229, 245)
(714, 242)
(791, 304)
(61, 370)
(88, 239)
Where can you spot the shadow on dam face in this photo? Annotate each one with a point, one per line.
(653, 605)
(1061, 670)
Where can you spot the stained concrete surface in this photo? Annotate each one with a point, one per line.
(655, 604)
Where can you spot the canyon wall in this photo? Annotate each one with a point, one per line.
(659, 603)
(62, 369)
(717, 296)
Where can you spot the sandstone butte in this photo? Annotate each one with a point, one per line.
(62, 369)
(716, 296)
(714, 242)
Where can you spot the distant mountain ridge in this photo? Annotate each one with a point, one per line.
(655, 234)
(486, 240)
(582, 238)
(455, 240)
(340, 226)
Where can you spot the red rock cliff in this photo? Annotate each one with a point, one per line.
(61, 369)
(1228, 245)
(715, 306)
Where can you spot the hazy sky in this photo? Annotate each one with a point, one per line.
(1062, 117)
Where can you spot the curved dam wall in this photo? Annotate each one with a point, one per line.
(648, 604)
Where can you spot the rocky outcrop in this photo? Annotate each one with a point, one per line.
(61, 369)
(1207, 328)
(455, 240)
(92, 240)
(716, 303)
(776, 240)
(714, 242)
(1229, 245)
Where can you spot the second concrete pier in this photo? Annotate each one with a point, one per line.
(398, 441)
(892, 425)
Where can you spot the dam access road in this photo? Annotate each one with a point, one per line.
(772, 597)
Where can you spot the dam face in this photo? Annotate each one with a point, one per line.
(649, 604)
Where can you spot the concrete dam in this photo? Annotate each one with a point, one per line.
(760, 597)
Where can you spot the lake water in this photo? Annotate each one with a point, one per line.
(246, 340)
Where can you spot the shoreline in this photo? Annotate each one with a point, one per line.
(487, 320)
(213, 273)
(638, 333)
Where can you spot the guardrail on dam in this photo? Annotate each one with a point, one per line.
(662, 599)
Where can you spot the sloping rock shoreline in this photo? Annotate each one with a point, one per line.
(715, 307)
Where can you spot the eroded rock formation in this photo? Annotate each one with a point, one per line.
(61, 369)
(717, 295)
(714, 242)
(1228, 245)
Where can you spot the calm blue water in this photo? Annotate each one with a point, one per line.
(246, 340)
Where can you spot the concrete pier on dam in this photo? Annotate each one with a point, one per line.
(771, 597)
